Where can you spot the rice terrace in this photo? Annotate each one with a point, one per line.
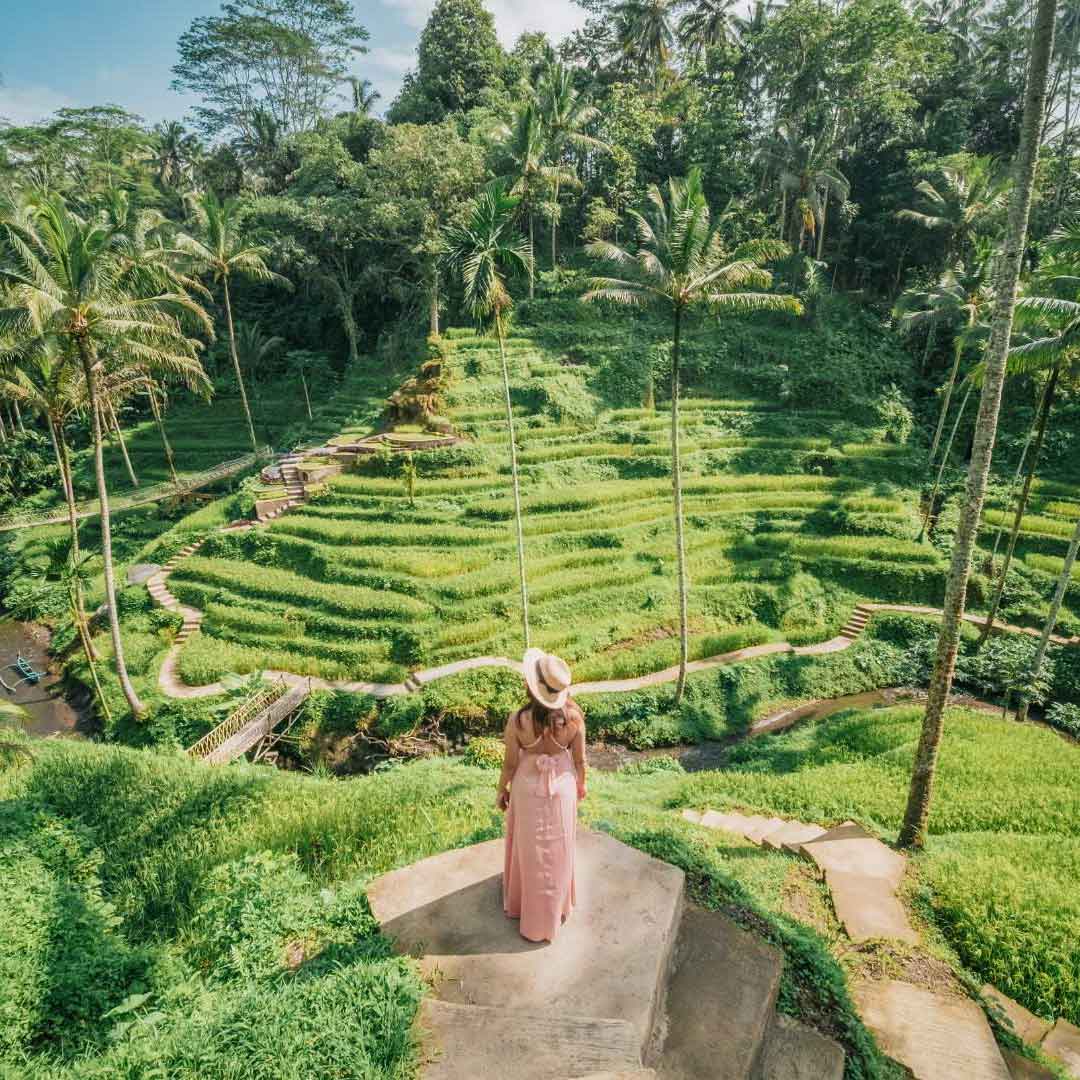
(558, 562)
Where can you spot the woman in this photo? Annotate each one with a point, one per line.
(542, 780)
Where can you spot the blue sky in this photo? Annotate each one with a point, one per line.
(55, 53)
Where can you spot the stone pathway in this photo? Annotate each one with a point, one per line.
(635, 987)
(935, 1036)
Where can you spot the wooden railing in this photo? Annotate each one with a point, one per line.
(91, 508)
(236, 721)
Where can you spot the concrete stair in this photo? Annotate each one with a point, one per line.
(159, 591)
(635, 987)
(857, 623)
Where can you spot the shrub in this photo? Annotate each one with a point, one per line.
(650, 765)
(484, 753)
(1065, 716)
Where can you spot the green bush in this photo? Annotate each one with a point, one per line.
(484, 753)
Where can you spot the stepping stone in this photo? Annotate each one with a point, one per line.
(1063, 1043)
(794, 1051)
(791, 834)
(730, 822)
(851, 849)
(720, 1000)
(462, 1042)
(1028, 1027)
(610, 959)
(868, 908)
(762, 829)
(1022, 1068)
(933, 1036)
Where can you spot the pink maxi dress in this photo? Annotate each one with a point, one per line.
(541, 827)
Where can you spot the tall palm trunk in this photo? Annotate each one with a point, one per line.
(676, 490)
(170, 461)
(307, 396)
(913, 833)
(821, 230)
(1051, 621)
(1017, 474)
(555, 229)
(236, 366)
(532, 247)
(783, 211)
(115, 425)
(514, 475)
(433, 303)
(18, 415)
(931, 336)
(133, 701)
(944, 460)
(56, 434)
(958, 350)
(3, 429)
(1021, 505)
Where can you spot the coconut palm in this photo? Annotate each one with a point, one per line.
(565, 114)
(256, 349)
(67, 283)
(920, 795)
(706, 24)
(973, 191)
(481, 253)
(364, 95)
(223, 250)
(681, 263)
(645, 36)
(521, 148)
(806, 172)
(175, 152)
(1055, 352)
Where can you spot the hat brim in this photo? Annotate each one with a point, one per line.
(530, 665)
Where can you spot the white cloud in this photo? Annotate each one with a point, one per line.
(28, 104)
(556, 18)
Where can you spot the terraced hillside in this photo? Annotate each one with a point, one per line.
(792, 517)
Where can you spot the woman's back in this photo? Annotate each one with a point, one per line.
(552, 738)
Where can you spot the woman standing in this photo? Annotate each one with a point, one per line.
(542, 781)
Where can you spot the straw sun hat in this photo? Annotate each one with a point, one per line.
(547, 677)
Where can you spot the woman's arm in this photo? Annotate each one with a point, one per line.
(510, 762)
(578, 752)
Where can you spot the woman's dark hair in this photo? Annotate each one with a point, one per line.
(548, 719)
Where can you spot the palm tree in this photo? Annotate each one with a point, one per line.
(1037, 660)
(805, 169)
(974, 191)
(1056, 352)
(961, 297)
(481, 253)
(645, 37)
(913, 832)
(255, 349)
(221, 251)
(66, 282)
(364, 95)
(522, 146)
(565, 113)
(707, 24)
(175, 150)
(680, 263)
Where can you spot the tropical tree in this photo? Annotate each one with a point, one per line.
(66, 282)
(705, 24)
(681, 263)
(364, 95)
(256, 350)
(565, 114)
(806, 171)
(222, 250)
(1039, 657)
(481, 253)
(973, 192)
(913, 832)
(1056, 353)
(175, 151)
(645, 36)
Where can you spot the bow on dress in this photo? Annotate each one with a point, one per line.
(546, 764)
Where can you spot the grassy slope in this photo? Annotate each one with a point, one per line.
(232, 897)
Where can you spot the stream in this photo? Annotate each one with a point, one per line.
(51, 713)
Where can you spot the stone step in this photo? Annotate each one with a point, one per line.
(868, 909)
(791, 834)
(935, 1037)
(850, 848)
(793, 1051)
(762, 829)
(610, 959)
(1022, 1068)
(720, 1000)
(1026, 1025)
(1063, 1043)
(463, 1042)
